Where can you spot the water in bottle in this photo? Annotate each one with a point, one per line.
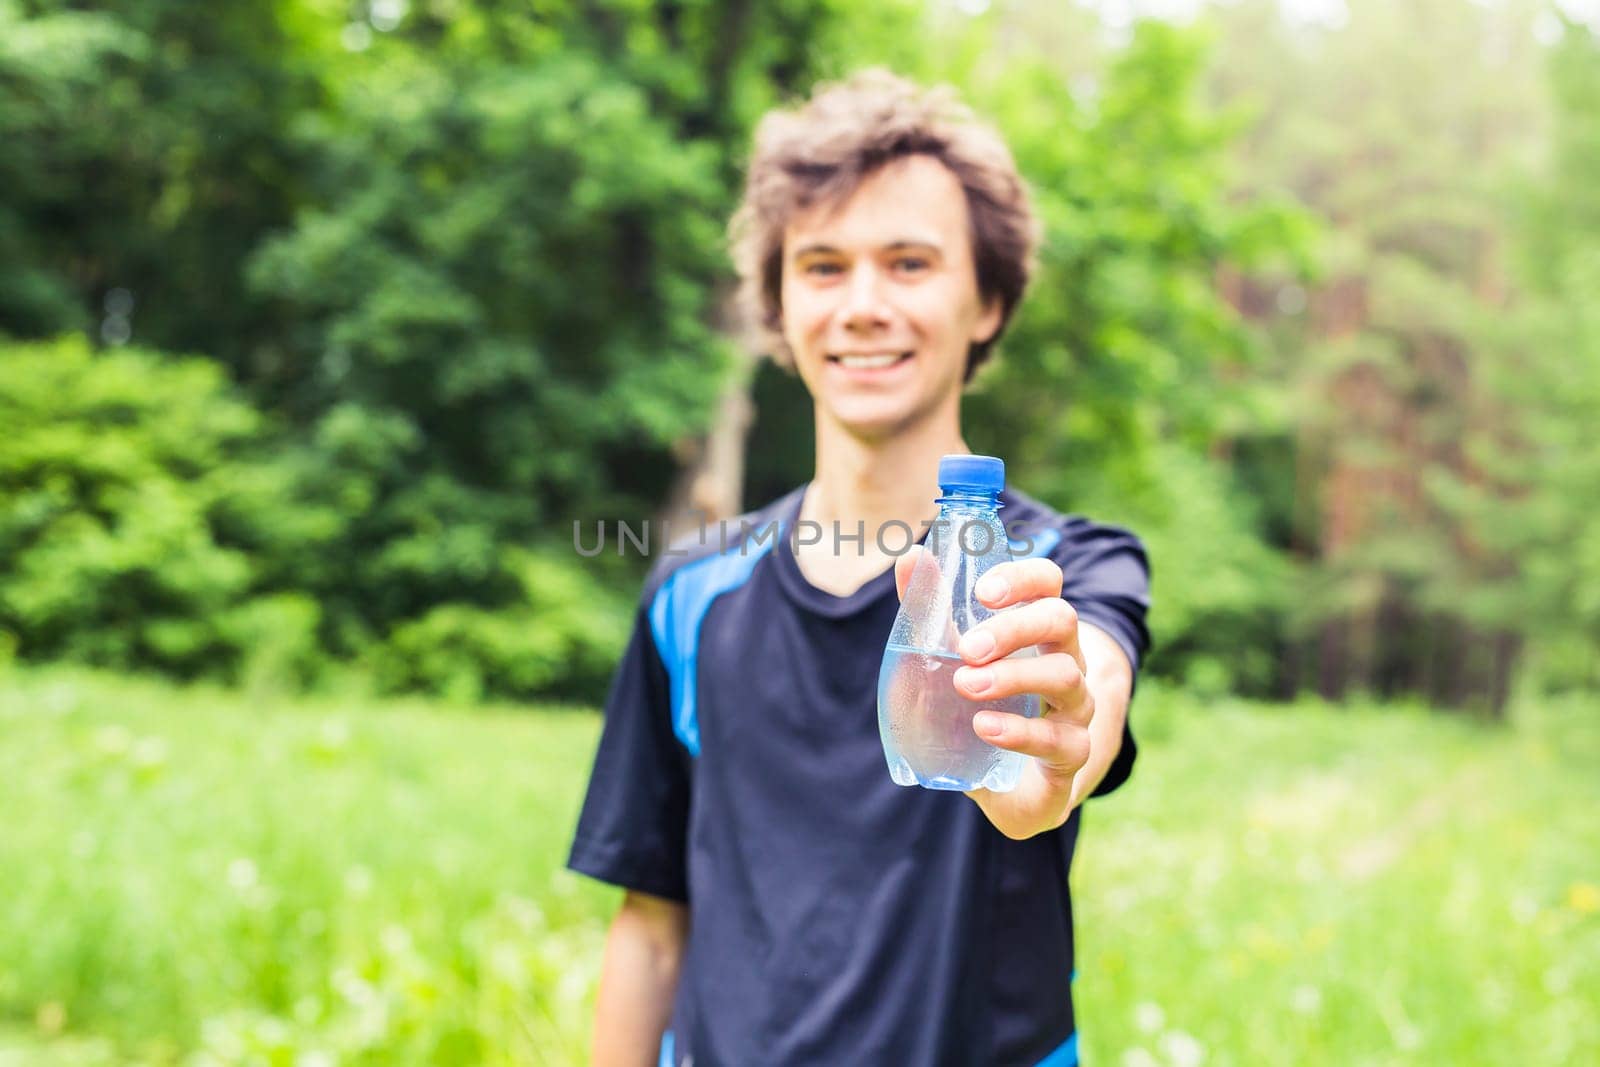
(924, 722)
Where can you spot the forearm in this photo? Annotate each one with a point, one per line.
(638, 977)
(1111, 683)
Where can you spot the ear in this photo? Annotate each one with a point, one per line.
(988, 321)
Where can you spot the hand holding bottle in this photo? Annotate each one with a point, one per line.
(924, 720)
(1058, 739)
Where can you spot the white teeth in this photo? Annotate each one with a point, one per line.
(887, 359)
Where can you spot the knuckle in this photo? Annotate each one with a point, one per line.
(1069, 746)
(1007, 682)
(1071, 676)
(1077, 743)
(1060, 615)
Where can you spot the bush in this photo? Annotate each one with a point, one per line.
(150, 518)
(561, 638)
(114, 471)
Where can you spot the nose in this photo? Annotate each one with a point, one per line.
(864, 307)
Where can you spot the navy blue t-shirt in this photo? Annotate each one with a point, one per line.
(834, 916)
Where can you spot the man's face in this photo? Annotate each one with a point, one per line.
(880, 298)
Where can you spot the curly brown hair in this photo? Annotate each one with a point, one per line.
(822, 150)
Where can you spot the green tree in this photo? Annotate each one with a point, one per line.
(1543, 518)
(147, 151)
(512, 269)
(470, 257)
(470, 254)
(1400, 130)
(143, 505)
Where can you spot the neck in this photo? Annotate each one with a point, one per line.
(882, 479)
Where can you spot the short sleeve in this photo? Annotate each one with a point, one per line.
(1106, 578)
(634, 822)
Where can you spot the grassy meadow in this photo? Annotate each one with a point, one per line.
(208, 877)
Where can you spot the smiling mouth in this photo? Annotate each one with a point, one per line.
(874, 361)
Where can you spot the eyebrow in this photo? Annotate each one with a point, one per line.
(897, 245)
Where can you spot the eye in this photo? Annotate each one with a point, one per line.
(821, 268)
(911, 264)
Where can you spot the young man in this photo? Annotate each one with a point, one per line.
(787, 902)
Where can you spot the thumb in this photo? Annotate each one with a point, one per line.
(903, 566)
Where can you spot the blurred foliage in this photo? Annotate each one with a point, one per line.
(560, 638)
(153, 518)
(1548, 376)
(392, 228)
(1309, 317)
(147, 150)
(140, 509)
(1127, 364)
(1400, 478)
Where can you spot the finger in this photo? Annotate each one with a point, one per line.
(1061, 747)
(1050, 623)
(1055, 677)
(904, 564)
(1018, 581)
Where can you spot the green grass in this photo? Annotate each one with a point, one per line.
(198, 877)
(189, 870)
(1311, 885)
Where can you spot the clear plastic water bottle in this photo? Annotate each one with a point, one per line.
(925, 724)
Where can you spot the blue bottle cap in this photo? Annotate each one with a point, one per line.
(985, 474)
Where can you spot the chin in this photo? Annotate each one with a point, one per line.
(872, 418)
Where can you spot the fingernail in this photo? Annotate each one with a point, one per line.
(977, 679)
(988, 724)
(992, 587)
(977, 645)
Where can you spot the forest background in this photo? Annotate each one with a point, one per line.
(325, 325)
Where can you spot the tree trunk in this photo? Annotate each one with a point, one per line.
(710, 486)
